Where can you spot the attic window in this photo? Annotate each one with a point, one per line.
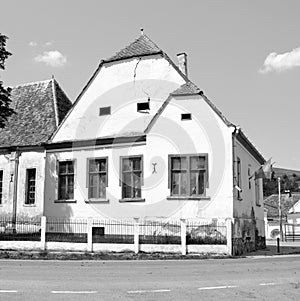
(104, 111)
(186, 116)
(143, 106)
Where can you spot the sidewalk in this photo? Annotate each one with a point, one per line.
(285, 248)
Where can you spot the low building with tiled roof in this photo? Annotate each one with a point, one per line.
(39, 109)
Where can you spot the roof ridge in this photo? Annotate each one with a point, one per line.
(31, 83)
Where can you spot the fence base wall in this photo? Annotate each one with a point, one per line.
(66, 246)
(211, 249)
(150, 248)
(20, 245)
(104, 247)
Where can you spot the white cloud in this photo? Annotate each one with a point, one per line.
(281, 62)
(32, 44)
(52, 58)
(49, 43)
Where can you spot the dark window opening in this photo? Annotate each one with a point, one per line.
(186, 116)
(97, 178)
(66, 180)
(143, 106)
(105, 111)
(30, 186)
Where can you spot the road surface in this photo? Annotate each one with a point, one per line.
(273, 278)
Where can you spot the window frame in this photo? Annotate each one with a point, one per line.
(27, 187)
(257, 192)
(1, 186)
(189, 171)
(59, 196)
(99, 172)
(121, 182)
(239, 177)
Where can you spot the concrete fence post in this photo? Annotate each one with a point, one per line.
(136, 235)
(183, 236)
(229, 235)
(90, 234)
(43, 233)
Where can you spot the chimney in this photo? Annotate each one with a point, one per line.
(182, 62)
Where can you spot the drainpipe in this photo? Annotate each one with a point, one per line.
(15, 196)
(235, 132)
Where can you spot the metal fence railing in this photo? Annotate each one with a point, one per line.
(113, 231)
(292, 232)
(25, 229)
(199, 232)
(66, 230)
(159, 232)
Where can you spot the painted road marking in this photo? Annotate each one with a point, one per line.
(216, 287)
(148, 291)
(265, 284)
(74, 292)
(8, 291)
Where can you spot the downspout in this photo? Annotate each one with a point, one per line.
(235, 132)
(15, 196)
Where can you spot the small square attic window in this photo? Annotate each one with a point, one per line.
(104, 111)
(186, 116)
(143, 106)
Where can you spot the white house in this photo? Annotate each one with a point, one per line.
(142, 140)
(39, 109)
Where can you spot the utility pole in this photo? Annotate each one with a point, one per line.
(279, 209)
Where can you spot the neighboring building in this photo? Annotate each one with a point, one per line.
(142, 140)
(289, 211)
(40, 108)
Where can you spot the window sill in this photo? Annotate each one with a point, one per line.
(187, 197)
(65, 201)
(29, 205)
(96, 201)
(133, 200)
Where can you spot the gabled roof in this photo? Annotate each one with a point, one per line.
(40, 107)
(271, 204)
(140, 47)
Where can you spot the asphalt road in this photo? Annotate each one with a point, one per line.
(273, 278)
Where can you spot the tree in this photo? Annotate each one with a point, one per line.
(5, 110)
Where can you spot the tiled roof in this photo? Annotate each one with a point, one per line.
(140, 47)
(39, 107)
(271, 204)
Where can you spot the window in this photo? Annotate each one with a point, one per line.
(257, 192)
(97, 177)
(143, 106)
(1, 185)
(239, 177)
(186, 116)
(66, 180)
(132, 171)
(30, 186)
(105, 111)
(188, 175)
(249, 176)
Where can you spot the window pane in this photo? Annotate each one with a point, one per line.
(126, 165)
(197, 162)
(102, 165)
(92, 166)
(70, 167)
(70, 187)
(183, 183)
(62, 167)
(175, 184)
(93, 192)
(197, 182)
(179, 163)
(102, 186)
(136, 163)
(126, 191)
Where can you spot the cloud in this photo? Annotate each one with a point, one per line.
(49, 43)
(32, 44)
(281, 62)
(52, 58)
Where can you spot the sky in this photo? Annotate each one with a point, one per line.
(244, 55)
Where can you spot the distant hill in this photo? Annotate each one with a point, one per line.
(290, 181)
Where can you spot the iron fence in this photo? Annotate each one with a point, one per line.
(113, 231)
(211, 233)
(159, 232)
(292, 232)
(21, 229)
(66, 230)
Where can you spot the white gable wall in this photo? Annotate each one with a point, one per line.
(120, 85)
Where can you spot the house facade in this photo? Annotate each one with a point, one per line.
(143, 141)
(39, 108)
